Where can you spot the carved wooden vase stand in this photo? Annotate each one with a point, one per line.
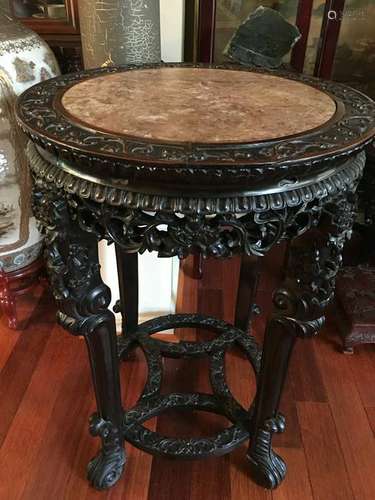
(218, 160)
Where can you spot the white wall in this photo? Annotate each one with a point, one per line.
(172, 30)
(157, 277)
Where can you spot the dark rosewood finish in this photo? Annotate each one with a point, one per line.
(206, 31)
(303, 21)
(217, 200)
(127, 270)
(328, 38)
(247, 289)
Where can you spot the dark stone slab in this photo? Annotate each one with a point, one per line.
(263, 39)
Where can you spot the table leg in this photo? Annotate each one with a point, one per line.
(127, 270)
(83, 299)
(298, 312)
(247, 289)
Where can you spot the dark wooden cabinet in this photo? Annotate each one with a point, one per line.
(48, 18)
(57, 22)
(337, 42)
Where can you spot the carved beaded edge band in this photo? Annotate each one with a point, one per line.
(340, 178)
(41, 119)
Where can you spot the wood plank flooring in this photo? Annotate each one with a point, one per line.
(46, 399)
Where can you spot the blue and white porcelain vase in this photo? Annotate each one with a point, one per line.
(25, 59)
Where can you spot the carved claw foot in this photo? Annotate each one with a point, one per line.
(268, 471)
(104, 470)
(267, 468)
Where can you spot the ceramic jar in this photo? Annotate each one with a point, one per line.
(25, 59)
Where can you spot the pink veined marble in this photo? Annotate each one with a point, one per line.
(198, 105)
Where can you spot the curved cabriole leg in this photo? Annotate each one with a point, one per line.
(314, 260)
(106, 468)
(83, 300)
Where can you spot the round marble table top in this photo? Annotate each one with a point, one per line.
(125, 120)
(197, 105)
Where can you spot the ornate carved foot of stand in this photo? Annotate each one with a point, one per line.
(267, 468)
(105, 469)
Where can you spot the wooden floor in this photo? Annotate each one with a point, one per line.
(46, 399)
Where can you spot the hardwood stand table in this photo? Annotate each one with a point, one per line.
(179, 159)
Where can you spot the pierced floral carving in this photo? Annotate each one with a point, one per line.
(217, 235)
(310, 284)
